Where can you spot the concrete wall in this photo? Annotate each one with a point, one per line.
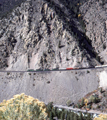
(63, 86)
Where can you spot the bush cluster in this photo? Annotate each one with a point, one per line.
(22, 107)
(63, 114)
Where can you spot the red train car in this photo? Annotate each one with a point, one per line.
(69, 68)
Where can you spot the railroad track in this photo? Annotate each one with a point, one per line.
(61, 69)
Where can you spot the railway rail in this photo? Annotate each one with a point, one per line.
(56, 69)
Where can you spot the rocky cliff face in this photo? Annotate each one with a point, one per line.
(48, 34)
(94, 14)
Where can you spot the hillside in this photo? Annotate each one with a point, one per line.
(48, 34)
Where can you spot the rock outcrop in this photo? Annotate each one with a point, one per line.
(94, 14)
(48, 34)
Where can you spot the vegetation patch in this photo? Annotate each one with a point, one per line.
(63, 114)
(22, 107)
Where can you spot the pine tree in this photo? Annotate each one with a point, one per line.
(71, 116)
(49, 108)
(75, 117)
(89, 116)
(58, 114)
(81, 116)
(82, 102)
(62, 115)
(53, 112)
(50, 116)
(68, 117)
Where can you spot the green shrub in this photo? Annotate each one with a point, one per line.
(68, 103)
(94, 99)
(8, 73)
(89, 106)
(88, 71)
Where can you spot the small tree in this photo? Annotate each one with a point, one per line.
(68, 116)
(58, 114)
(49, 108)
(82, 102)
(51, 116)
(71, 116)
(81, 116)
(89, 116)
(78, 105)
(75, 117)
(62, 115)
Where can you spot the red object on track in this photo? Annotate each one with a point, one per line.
(69, 68)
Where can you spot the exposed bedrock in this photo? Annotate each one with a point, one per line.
(48, 33)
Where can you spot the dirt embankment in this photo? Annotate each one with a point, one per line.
(58, 87)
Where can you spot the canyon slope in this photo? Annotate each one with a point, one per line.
(49, 34)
